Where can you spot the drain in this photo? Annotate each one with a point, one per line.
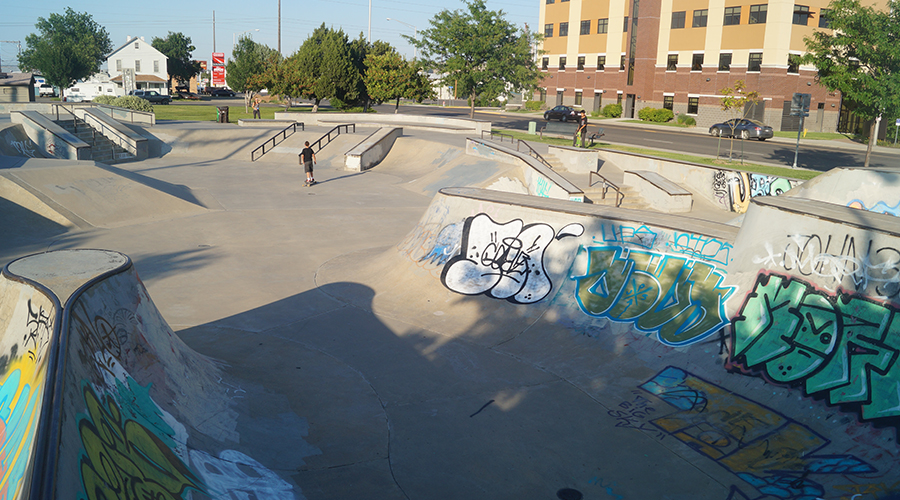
(569, 494)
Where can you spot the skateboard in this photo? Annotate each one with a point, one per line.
(308, 184)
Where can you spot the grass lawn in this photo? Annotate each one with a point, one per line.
(666, 124)
(748, 167)
(202, 112)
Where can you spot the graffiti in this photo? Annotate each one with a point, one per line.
(880, 207)
(842, 346)
(39, 327)
(503, 261)
(681, 300)
(607, 486)
(122, 458)
(701, 247)
(225, 476)
(866, 267)
(734, 189)
(635, 414)
(768, 185)
(877, 490)
(446, 245)
(764, 448)
(19, 405)
(642, 237)
(51, 149)
(24, 148)
(543, 188)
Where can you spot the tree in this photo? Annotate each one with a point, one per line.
(479, 52)
(178, 49)
(389, 77)
(250, 59)
(737, 103)
(70, 47)
(860, 57)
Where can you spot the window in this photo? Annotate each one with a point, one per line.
(619, 98)
(700, 18)
(581, 63)
(625, 26)
(602, 26)
(550, 1)
(725, 62)
(562, 63)
(548, 31)
(755, 61)
(697, 62)
(601, 63)
(563, 29)
(585, 27)
(118, 65)
(758, 14)
(543, 95)
(137, 65)
(136, 46)
(561, 1)
(622, 63)
(823, 19)
(672, 62)
(669, 102)
(578, 98)
(693, 105)
(793, 63)
(801, 15)
(732, 16)
(156, 66)
(545, 63)
(678, 20)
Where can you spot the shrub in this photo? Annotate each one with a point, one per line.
(655, 115)
(686, 120)
(533, 105)
(104, 99)
(595, 113)
(612, 110)
(133, 102)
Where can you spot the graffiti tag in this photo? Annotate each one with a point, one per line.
(701, 247)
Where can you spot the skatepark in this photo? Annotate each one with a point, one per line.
(459, 320)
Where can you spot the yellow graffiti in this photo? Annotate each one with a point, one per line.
(20, 407)
(125, 460)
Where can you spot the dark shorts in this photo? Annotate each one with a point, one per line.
(307, 166)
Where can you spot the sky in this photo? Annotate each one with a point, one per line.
(234, 17)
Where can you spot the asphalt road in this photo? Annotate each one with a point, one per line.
(780, 153)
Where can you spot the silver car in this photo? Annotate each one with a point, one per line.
(743, 128)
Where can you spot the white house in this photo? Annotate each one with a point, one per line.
(137, 65)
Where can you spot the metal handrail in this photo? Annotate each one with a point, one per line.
(284, 135)
(531, 151)
(56, 107)
(500, 134)
(328, 136)
(130, 112)
(114, 133)
(620, 197)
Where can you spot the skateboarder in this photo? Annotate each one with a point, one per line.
(582, 129)
(308, 159)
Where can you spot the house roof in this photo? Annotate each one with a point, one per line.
(130, 41)
(17, 79)
(140, 78)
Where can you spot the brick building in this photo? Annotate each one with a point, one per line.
(678, 54)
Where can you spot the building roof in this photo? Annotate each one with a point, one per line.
(130, 41)
(140, 78)
(16, 79)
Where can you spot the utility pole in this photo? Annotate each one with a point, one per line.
(18, 51)
(214, 31)
(279, 27)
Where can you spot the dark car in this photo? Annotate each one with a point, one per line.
(561, 113)
(151, 95)
(187, 95)
(221, 93)
(743, 128)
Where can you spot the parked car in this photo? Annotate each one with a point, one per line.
(187, 95)
(561, 113)
(743, 128)
(46, 90)
(221, 93)
(151, 95)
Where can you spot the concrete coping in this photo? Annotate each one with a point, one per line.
(681, 162)
(831, 212)
(267, 121)
(679, 223)
(373, 139)
(660, 182)
(114, 124)
(65, 271)
(51, 126)
(544, 170)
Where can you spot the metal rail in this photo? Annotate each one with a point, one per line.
(328, 138)
(113, 133)
(606, 186)
(530, 150)
(55, 108)
(283, 134)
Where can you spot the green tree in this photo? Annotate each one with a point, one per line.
(479, 52)
(178, 49)
(860, 57)
(70, 47)
(250, 59)
(737, 103)
(390, 77)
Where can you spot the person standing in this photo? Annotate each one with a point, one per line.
(582, 129)
(308, 159)
(256, 107)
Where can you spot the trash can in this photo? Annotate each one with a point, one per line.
(221, 114)
(532, 128)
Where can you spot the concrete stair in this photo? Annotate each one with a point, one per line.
(102, 149)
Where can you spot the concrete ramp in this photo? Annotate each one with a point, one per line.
(870, 189)
(102, 400)
(15, 142)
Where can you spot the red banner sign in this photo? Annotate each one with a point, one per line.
(218, 76)
(218, 58)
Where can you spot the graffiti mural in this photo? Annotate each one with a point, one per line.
(775, 454)
(879, 207)
(682, 301)
(734, 189)
(226, 477)
(642, 237)
(873, 270)
(701, 247)
(503, 261)
(844, 347)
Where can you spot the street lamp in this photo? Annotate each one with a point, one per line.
(415, 35)
(234, 40)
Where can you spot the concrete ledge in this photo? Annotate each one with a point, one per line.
(541, 180)
(267, 122)
(56, 141)
(453, 125)
(575, 159)
(372, 149)
(126, 115)
(661, 193)
(119, 134)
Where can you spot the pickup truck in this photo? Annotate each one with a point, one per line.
(151, 95)
(46, 90)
